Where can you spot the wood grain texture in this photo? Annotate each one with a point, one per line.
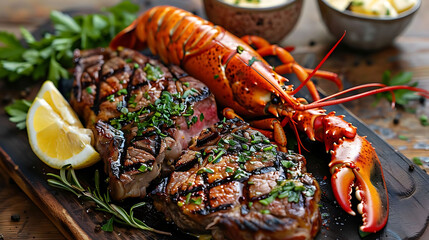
(32, 222)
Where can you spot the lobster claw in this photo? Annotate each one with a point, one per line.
(355, 163)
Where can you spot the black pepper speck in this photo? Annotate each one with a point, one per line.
(15, 217)
(97, 228)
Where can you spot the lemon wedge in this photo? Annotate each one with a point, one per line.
(55, 133)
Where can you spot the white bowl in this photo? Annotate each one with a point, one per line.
(365, 32)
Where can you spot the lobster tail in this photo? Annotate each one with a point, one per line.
(129, 36)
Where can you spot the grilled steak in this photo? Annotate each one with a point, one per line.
(233, 182)
(143, 114)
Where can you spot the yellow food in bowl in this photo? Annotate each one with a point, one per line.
(384, 8)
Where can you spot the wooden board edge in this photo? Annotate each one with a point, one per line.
(52, 209)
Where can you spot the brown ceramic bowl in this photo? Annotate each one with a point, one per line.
(272, 23)
(365, 32)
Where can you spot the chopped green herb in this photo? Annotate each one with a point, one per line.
(162, 112)
(250, 182)
(128, 60)
(417, 161)
(201, 117)
(218, 156)
(309, 191)
(180, 203)
(265, 211)
(207, 170)
(229, 169)
(232, 142)
(216, 76)
(144, 168)
(255, 141)
(108, 226)
(146, 95)
(88, 90)
(268, 200)
(402, 137)
(197, 201)
(240, 49)
(124, 110)
(268, 148)
(240, 173)
(240, 138)
(131, 101)
(424, 120)
(186, 84)
(357, 3)
(136, 65)
(253, 60)
(153, 73)
(187, 93)
(287, 164)
(188, 198)
(111, 98)
(122, 91)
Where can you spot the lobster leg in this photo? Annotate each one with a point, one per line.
(264, 48)
(276, 130)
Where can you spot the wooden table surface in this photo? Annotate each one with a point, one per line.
(410, 52)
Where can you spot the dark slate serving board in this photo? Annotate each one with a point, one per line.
(408, 192)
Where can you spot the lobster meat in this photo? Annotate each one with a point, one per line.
(243, 81)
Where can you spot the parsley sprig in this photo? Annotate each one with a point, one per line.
(18, 112)
(51, 56)
(67, 180)
(402, 96)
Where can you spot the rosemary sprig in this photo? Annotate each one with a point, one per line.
(67, 180)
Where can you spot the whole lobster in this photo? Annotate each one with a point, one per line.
(242, 80)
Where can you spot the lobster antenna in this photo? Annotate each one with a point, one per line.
(292, 123)
(323, 103)
(357, 88)
(318, 66)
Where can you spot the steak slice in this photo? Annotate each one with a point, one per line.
(233, 182)
(143, 114)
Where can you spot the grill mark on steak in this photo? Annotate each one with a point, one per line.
(275, 199)
(114, 96)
